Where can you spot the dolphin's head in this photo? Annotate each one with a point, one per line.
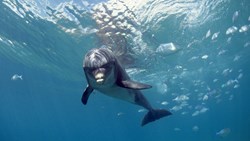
(99, 67)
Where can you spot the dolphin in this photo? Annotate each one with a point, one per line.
(105, 74)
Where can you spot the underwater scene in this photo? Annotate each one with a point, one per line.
(190, 59)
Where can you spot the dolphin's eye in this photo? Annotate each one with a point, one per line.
(88, 69)
(109, 65)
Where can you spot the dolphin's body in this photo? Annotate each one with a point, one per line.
(105, 74)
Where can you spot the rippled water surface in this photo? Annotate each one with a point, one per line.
(195, 54)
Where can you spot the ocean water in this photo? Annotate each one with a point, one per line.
(195, 54)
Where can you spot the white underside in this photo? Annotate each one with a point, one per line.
(119, 93)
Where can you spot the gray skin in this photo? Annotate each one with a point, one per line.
(105, 74)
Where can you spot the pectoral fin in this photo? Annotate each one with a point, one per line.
(86, 94)
(129, 84)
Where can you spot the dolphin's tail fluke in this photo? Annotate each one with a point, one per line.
(153, 115)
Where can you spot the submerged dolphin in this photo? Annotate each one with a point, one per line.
(105, 74)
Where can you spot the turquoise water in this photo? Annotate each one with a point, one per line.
(195, 54)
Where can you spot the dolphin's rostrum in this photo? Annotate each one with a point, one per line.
(105, 74)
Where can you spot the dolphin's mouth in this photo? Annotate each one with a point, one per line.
(99, 78)
(99, 81)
